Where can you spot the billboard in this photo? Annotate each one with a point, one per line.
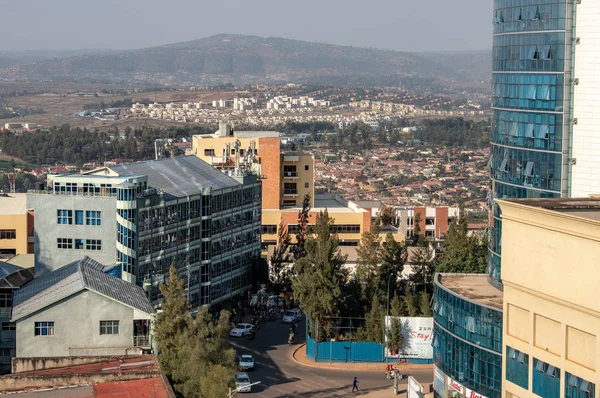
(439, 381)
(418, 337)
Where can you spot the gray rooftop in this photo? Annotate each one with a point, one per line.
(256, 134)
(178, 177)
(84, 274)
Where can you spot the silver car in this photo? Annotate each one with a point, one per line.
(242, 382)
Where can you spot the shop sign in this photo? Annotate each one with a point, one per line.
(456, 386)
(473, 394)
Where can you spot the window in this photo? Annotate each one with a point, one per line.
(576, 387)
(5, 300)
(290, 189)
(8, 234)
(78, 217)
(546, 379)
(306, 185)
(429, 221)
(209, 152)
(269, 229)
(8, 326)
(65, 217)
(79, 243)
(64, 243)
(529, 169)
(305, 167)
(517, 367)
(44, 329)
(109, 327)
(93, 244)
(6, 352)
(93, 218)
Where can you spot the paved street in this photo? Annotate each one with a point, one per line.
(281, 376)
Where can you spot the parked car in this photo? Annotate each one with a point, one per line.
(242, 382)
(292, 316)
(241, 329)
(246, 362)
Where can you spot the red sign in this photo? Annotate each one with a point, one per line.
(455, 386)
(472, 394)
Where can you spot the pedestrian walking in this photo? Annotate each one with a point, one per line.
(355, 384)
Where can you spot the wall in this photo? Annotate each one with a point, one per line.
(47, 256)
(586, 142)
(552, 312)
(31, 364)
(18, 222)
(85, 310)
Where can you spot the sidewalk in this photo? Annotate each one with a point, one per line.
(299, 355)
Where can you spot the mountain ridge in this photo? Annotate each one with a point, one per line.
(228, 58)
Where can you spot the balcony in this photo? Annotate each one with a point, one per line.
(290, 174)
(141, 341)
(290, 192)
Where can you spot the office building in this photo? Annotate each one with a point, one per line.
(286, 178)
(433, 222)
(551, 308)
(148, 215)
(544, 141)
(16, 225)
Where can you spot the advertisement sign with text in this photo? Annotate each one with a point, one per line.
(473, 394)
(417, 333)
(456, 386)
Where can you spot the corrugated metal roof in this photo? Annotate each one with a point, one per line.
(17, 278)
(7, 269)
(70, 279)
(180, 176)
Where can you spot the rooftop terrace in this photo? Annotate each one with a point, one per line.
(474, 287)
(588, 208)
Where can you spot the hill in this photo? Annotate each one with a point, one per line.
(241, 59)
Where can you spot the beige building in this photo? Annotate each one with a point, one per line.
(16, 225)
(551, 308)
(286, 178)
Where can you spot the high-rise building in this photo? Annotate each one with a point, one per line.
(544, 146)
(551, 311)
(146, 216)
(544, 133)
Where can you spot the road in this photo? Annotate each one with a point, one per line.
(281, 376)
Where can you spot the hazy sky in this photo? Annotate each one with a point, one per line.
(409, 25)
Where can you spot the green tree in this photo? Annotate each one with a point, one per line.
(417, 229)
(369, 259)
(398, 307)
(194, 352)
(279, 272)
(320, 275)
(462, 253)
(393, 257)
(374, 321)
(425, 304)
(395, 338)
(411, 303)
(302, 234)
(172, 321)
(421, 265)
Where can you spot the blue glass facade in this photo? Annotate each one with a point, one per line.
(531, 88)
(467, 344)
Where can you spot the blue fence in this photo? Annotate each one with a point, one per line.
(344, 351)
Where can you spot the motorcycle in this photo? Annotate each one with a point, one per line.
(390, 374)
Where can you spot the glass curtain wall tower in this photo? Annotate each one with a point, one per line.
(532, 90)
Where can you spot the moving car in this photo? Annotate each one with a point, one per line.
(240, 330)
(291, 316)
(246, 362)
(242, 382)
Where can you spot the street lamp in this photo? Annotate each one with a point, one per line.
(238, 389)
(388, 294)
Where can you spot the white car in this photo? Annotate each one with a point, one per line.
(291, 316)
(240, 330)
(246, 362)
(242, 382)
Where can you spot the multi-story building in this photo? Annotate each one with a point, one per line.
(287, 177)
(543, 137)
(551, 328)
(433, 222)
(16, 225)
(146, 216)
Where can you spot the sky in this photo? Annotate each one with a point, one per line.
(404, 25)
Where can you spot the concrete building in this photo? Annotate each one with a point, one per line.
(552, 313)
(11, 279)
(434, 221)
(146, 216)
(286, 178)
(79, 310)
(16, 225)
